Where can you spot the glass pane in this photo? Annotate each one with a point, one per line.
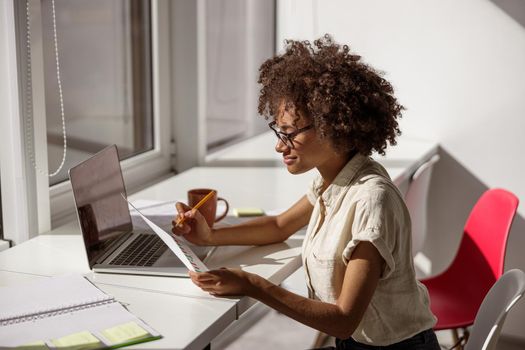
(105, 65)
(239, 37)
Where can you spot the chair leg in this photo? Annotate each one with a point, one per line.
(466, 334)
(458, 341)
(320, 340)
(455, 339)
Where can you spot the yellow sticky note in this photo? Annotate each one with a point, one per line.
(36, 345)
(125, 333)
(78, 341)
(242, 212)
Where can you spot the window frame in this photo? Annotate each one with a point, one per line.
(21, 218)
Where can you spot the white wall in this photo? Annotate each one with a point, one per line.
(459, 68)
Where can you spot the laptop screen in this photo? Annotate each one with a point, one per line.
(102, 212)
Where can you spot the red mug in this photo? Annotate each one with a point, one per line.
(209, 208)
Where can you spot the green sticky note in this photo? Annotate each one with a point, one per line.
(124, 333)
(36, 345)
(77, 341)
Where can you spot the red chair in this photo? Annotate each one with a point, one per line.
(457, 293)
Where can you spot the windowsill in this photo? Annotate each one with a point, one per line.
(260, 151)
(4, 245)
(257, 150)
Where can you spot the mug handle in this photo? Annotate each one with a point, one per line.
(225, 212)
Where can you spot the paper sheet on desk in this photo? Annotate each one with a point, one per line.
(177, 246)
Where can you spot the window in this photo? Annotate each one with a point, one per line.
(217, 48)
(109, 54)
(239, 37)
(105, 66)
(167, 81)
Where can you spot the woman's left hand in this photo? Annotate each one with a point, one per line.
(225, 281)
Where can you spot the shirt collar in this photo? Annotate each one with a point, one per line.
(343, 179)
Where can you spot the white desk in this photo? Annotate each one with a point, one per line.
(187, 317)
(166, 302)
(185, 323)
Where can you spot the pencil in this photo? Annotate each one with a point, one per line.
(180, 220)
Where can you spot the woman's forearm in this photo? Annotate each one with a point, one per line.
(325, 317)
(265, 229)
(259, 231)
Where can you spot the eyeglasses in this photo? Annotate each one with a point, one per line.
(287, 138)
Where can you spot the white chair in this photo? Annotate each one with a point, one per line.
(416, 201)
(494, 309)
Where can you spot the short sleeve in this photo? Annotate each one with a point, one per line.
(375, 222)
(313, 190)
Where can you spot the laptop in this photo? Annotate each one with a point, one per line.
(112, 244)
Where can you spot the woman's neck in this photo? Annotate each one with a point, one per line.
(333, 166)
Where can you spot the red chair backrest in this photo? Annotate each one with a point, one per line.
(488, 226)
(481, 255)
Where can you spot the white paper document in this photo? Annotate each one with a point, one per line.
(177, 245)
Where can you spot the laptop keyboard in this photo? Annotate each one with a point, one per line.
(143, 251)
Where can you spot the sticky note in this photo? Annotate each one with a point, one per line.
(78, 341)
(248, 212)
(36, 345)
(125, 333)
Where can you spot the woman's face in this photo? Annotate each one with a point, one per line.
(309, 151)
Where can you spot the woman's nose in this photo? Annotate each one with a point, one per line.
(280, 146)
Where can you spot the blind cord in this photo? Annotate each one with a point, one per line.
(29, 99)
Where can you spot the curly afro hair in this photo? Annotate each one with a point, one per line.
(347, 101)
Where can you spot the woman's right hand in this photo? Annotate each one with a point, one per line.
(194, 228)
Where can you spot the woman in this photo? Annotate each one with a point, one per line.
(330, 111)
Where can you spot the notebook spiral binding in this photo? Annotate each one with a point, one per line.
(53, 312)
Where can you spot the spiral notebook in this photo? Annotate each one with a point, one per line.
(66, 312)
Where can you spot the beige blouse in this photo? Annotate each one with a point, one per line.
(362, 204)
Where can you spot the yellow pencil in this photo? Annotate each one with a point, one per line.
(180, 219)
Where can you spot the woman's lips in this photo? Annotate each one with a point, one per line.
(289, 160)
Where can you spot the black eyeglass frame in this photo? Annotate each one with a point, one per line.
(287, 138)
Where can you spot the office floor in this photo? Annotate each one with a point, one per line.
(276, 331)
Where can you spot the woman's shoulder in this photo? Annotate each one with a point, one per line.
(374, 184)
(373, 176)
